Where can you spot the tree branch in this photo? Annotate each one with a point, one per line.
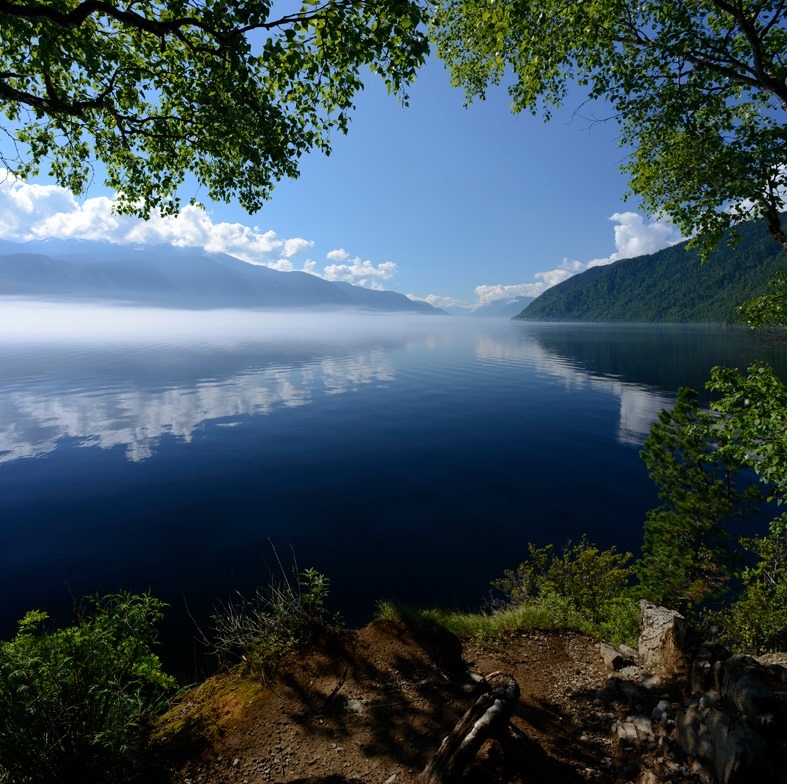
(76, 17)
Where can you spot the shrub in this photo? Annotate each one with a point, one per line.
(582, 588)
(757, 621)
(621, 622)
(585, 578)
(285, 615)
(74, 701)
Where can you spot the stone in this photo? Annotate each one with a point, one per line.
(613, 658)
(619, 690)
(633, 673)
(707, 732)
(663, 641)
(354, 706)
(629, 652)
(661, 711)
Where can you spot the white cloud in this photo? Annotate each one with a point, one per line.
(34, 212)
(362, 273)
(440, 302)
(545, 280)
(295, 246)
(634, 236)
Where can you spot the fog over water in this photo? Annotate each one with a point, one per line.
(135, 351)
(405, 456)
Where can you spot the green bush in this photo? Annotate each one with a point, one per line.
(756, 621)
(587, 580)
(279, 618)
(621, 622)
(74, 701)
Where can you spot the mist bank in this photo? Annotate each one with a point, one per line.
(165, 276)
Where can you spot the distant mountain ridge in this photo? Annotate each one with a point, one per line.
(671, 285)
(166, 276)
(499, 308)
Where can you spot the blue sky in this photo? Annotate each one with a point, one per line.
(434, 200)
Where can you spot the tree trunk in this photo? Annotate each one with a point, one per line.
(487, 717)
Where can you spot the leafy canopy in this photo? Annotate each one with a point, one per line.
(699, 90)
(231, 92)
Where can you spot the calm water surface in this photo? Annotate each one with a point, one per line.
(405, 457)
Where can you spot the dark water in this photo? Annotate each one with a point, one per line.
(404, 457)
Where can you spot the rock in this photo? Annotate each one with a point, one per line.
(743, 682)
(633, 673)
(618, 690)
(663, 641)
(706, 666)
(629, 653)
(732, 749)
(634, 729)
(613, 658)
(661, 711)
(354, 706)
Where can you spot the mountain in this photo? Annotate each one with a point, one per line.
(500, 308)
(165, 276)
(669, 286)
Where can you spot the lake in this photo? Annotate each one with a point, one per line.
(405, 457)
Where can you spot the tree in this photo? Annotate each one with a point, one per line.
(698, 88)
(687, 554)
(713, 467)
(231, 92)
(757, 621)
(751, 413)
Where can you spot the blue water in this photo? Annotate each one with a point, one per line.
(405, 457)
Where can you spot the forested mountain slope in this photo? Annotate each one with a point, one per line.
(669, 286)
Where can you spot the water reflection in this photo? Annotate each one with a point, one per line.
(158, 374)
(34, 421)
(639, 404)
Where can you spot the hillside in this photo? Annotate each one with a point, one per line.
(669, 286)
(165, 276)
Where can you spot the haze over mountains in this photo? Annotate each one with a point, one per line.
(671, 285)
(166, 276)
(499, 308)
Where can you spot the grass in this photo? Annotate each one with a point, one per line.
(619, 624)
(525, 617)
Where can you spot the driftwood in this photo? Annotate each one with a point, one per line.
(488, 716)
